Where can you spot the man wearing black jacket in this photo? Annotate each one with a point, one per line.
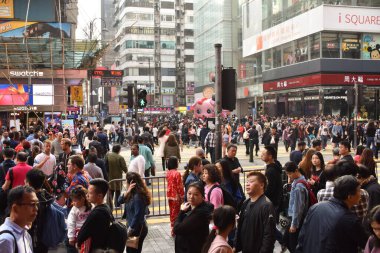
(273, 172)
(97, 223)
(256, 224)
(370, 184)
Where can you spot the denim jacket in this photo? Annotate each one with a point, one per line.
(298, 202)
(134, 212)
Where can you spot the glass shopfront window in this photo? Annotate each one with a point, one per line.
(315, 44)
(277, 57)
(330, 45)
(268, 59)
(301, 50)
(288, 54)
(351, 46)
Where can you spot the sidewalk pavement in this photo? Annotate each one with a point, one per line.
(158, 239)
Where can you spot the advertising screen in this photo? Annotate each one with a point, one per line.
(43, 94)
(17, 94)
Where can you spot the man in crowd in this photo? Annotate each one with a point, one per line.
(256, 219)
(45, 161)
(201, 154)
(115, 166)
(233, 161)
(97, 223)
(210, 143)
(344, 151)
(93, 170)
(318, 233)
(79, 177)
(146, 152)
(16, 175)
(273, 173)
(323, 133)
(67, 152)
(298, 205)
(99, 162)
(137, 162)
(369, 184)
(296, 155)
(56, 148)
(23, 205)
(8, 163)
(203, 134)
(102, 137)
(317, 145)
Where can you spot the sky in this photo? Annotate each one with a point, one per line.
(88, 11)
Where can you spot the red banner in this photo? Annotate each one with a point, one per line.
(322, 79)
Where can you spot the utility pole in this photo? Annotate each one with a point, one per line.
(356, 88)
(135, 99)
(218, 101)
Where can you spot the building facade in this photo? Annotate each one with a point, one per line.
(154, 46)
(308, 55)
(215, 21)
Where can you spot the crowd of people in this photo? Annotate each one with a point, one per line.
(60, 188)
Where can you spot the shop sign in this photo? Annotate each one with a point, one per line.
(294, 99)
(34, 29)
(25, 108)
(335, 97)
(72, 109)
(165, 90)
(311, 98)
(6, 9)
(322, 18)
(26, 73)
(322, 79)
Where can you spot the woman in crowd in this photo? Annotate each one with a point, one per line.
(373, 243)
(301, 133)
(192, 225)
(172, 148)
(367, 160)
(213, 193)
(35, 151)
(192, 172)
(136, 200)
(306, 164)
(337, 134)
(359, 151)
(317, 179)
(224, 223)
(162, 138)
(88, 139)
(175, 192)
(226, 140)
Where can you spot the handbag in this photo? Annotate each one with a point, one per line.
(133, 241)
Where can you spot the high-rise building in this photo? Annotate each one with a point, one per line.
(154, 46)
(215, 21)
(309, 55)
(108, 32)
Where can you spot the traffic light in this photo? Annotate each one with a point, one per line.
(251, 104)
(128, 98)
(229, 89)
(259, 106)
(141, 98)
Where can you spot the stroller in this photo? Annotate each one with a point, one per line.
(235, 137)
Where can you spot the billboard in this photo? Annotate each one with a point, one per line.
(371, 46)
(18, 94)
(6, 9)
(35, 29)
(76, 95)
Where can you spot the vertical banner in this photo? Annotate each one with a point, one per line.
(6, 9)
(76, 95)
(69, 124)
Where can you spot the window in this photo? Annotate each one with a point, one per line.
(168, 84)
(301, 50)
(189, 6)
(145, 71)
(315, 44)
(189, 58)
(167, 44)
(288, 54)
(167, 5)
(330, 45)
(189, 45)
(277, 57)
(268, 59)
(247, 15)
(189, 32)
(139, 44)
(168, 72)
(351, 45)
(167, 18)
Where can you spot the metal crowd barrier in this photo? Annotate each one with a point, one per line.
(159, 205)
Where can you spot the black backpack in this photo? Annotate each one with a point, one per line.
(117, 236)
(228, 199)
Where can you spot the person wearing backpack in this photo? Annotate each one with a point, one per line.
(49, 228)
(23, 205)
(97, 224)
(213, 192)
(298, 205)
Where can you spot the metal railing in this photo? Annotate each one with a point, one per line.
(159, 205)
